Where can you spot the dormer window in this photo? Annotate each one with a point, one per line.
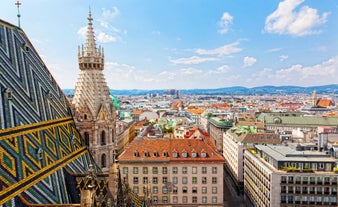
(204, 154)
(194, 154)
(155, 154)
(165, 154)
(184, 154)
(175, 154)
(136, 154)
(8, 93)
(146, 154)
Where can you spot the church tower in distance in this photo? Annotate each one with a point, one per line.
(93, 107)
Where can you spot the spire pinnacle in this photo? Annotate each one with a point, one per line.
(90, 42)
(18, 4)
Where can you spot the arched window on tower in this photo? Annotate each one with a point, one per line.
(103, 137)
(86, 138)
(103, 161)
(85, 117)
(112, 136)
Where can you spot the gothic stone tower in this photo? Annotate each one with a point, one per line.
(93, 108)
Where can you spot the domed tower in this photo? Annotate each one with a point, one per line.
(93, 107)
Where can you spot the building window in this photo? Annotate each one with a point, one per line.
(194, 189)
(145, 170)
(184, 190)
(155, 180)
(165, 199)
(135, 170)
(214, 170)
(204, 199)
(194, 154)
(155, 199)
(145, 180)
(175, 154)
(175, 180)
(194, 170)
(164, 180)
(184, 170)
(214, 199)
(175, 199)
(214, 180)
(184, 154)
(164, 170)
(175, 190)
(194, 180)
(103, 160)
(214, 190)
(204, 154)
(184, 199)
(184, 180)
(155, 189)
(194, 199)
(155, 170)
(135, 189)
(125, 170)
(86, 137)
(204, 190)
(103, 137)
(175, 170)
(135, 180)
(204, 170)
(164, 190)
(204, 180)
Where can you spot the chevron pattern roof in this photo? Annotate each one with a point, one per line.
(38, 138)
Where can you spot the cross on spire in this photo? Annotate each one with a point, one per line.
(18, 4)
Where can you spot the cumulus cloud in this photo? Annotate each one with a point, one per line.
(107, 15)
(249, 61)
(325, 72)
(105, 38)
(287, 20)
(221, 69)
(224, 50)
(82, 32)
(192, 60)
(224, 23)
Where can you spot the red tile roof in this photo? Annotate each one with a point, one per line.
(156, 150)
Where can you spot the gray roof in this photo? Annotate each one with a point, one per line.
(287, 153)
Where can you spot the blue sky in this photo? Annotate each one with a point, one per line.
(184, 44)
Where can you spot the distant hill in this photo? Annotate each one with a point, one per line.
(235, 90)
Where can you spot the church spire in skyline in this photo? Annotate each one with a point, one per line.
(90, 57)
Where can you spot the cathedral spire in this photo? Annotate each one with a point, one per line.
(90, 42)
(90, 57)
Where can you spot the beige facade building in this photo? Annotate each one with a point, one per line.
(235, 142)
(283, 176)
(93, 108)
(174, 172)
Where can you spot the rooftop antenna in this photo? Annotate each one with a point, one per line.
(18, 4)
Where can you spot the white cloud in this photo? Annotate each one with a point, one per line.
(192, 60)
(105, 38)
(107, 16)
(249, 61)
(82, 32)
(283, 57)
(224, 50)
(167, 75)
(325, 72)
(221, 69)
(275, 49)
(190, 71)
(224, 23)
(286, 20)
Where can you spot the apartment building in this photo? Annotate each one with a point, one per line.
(235, 141)
(174, 172)
(288, 176)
